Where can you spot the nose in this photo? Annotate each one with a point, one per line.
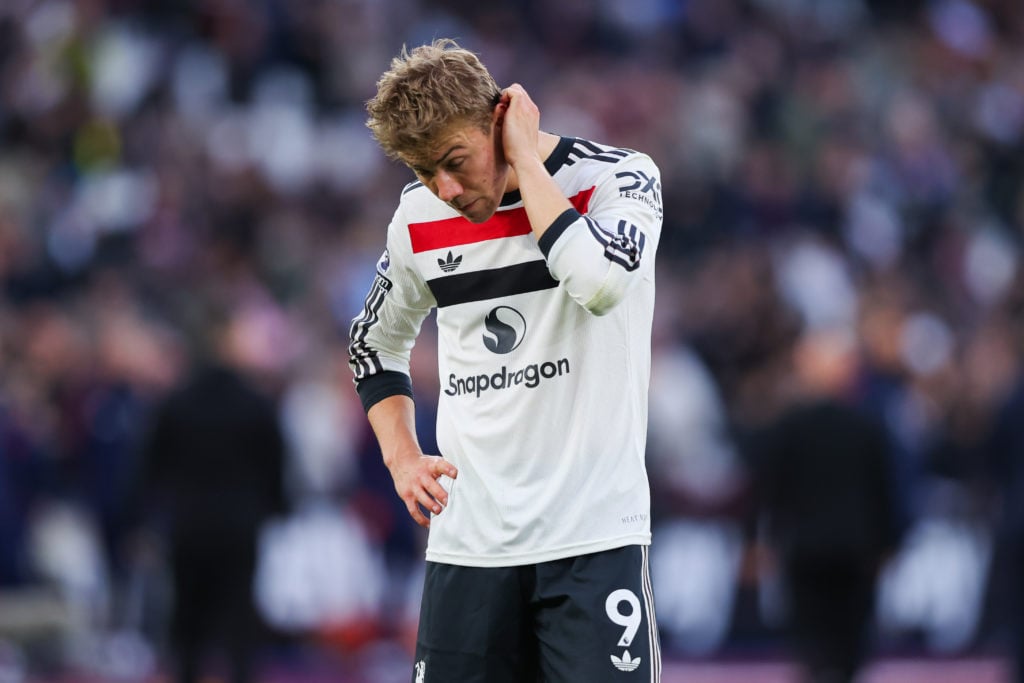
(447, 188)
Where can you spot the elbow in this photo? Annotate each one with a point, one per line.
(601, 292)
(599, 311)
(604, 302)
(604, 295)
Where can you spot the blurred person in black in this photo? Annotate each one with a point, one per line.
(213, 469)
(824, 494)
(1005, 451)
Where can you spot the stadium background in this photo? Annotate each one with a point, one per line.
(843, 163)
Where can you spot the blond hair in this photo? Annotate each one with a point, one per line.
(425, 93)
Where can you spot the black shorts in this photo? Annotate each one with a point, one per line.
(586, 619)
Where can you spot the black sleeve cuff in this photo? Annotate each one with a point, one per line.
(555, 230)
(376, 388)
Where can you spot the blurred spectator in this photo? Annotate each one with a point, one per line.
(1006, 454)
(25, 478)
(214, 475)
(824, 488)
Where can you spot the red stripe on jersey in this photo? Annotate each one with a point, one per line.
(453, 232)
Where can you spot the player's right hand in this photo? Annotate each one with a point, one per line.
(416, 481)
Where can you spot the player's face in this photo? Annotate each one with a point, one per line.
(467, 171)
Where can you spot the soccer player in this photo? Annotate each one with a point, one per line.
(537, 251)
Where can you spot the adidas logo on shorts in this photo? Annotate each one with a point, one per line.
(626, 663)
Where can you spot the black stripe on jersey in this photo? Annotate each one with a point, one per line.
(364, 359)
(451, 290)
(555, 230)
(584, 149)
(625, 247)
(411, 186)
(560, 155)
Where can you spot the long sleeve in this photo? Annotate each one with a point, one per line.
(382, 336)
(600, 256)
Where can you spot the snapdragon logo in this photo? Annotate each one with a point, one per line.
(505, 328)
(529, 377)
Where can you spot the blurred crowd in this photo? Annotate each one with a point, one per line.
(854, 166)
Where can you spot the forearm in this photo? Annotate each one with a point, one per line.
(415, 475)
(393, 420)
(542, 197)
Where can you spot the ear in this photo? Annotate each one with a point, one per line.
(498, 115)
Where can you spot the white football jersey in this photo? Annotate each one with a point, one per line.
(544, 353)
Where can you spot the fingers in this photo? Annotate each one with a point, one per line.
(513, 89)
(443, 467)
(424, 491)
(417, 515)
(432, 498)
(511, 93)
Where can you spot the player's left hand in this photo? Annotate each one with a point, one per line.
(519, 119)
